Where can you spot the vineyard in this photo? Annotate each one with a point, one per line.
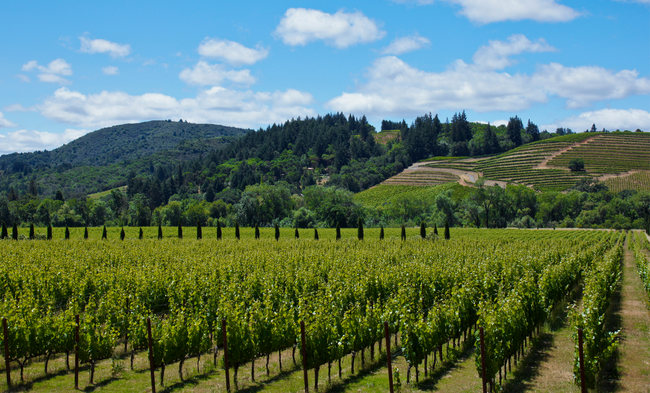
(431, 292)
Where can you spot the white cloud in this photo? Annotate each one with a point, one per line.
(15, 108)
(299, 26)
(611, 119)
(395, 88)
(214, 105)
(497, 54)
(407, 44)
(53, 73)
(489, 11)
(635, 1)
(23, 78)
(205, 74)
(231, 52)
(4, 122)
(104, 46)
(26, 141)
(110, 70)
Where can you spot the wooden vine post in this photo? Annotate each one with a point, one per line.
(304, 355)
(151, 362)
(583, 383)
(483, 370)
(6, 340)
(225, 353)
(390, 367)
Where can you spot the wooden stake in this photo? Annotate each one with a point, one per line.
(76, 353)
(225, 353)
(304, 355)
(583, 383)
(483, 370)
(6, 340)
(390, 367)
(152, 366)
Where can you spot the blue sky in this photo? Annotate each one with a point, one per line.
(70, 67)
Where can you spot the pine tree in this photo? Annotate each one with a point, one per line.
(180, 230)
(104, 233)
(257, 232)
(32, 234)
(315, 234)
(49, 232)
(199, 231)
(360, 229)
(403, 232)
(381, 233)
(160, 234)
(277, 232)
(4, 233)
(218, 230)
(14, 232)
(237, 230)
(67, 233)
(423, 230)
(338, 231)
(435, 229)
(447, 236)
(86, 233)
(296, 234)
(122, 234)
(513, 130)
(141, 236)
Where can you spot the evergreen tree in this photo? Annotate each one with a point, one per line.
(180, 229)
(237, 230)
(297, 235)
(218, 230)
(4, 233)
(532, 130)
(490, 139)
(122, 234)
(160, 233)
(338, 231)
(141, 236)
(257, 232)
(86, 233)
(315, 234)
(104, 233)
(277, 232)
(67, 233)
(14, 231)
(199, 231)
(513, 130)
(49, 231)
(435, 229)
(381, 233)
(423, 230)
(403, 232)
(447, 235)
(32, 234)
(360, 229)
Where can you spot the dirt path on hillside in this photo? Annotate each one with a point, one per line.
(613, 175)
(467, 178)
(544, 163)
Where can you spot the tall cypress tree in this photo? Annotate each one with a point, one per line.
(257, 232)
(277, 232)
(122, 234)
(447, 235)
(338, 231)
(381, 233)
(67, 233)
(403, 232)
(315, 233)
(423, 230)
(360, 229)
(49, 232)
(4, 233)
(160, 234)
(296, 234)
(199, 231)
(180, 230)
(237, 230)
(435, 229)
(86, 233)
(14, 232)
(32, 232)
(218, 230)
(141, 236)
(104, 233)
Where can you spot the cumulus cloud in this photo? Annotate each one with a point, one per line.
(300, 26)
(215, 105)
(395, 88)
(15, 108)
(497, 55)
(23, 78)
(53, 73)
(611, 119)
(204, 74)
(104, 46)
(231, 52)
(489, 11)
(4, 122)
(26, 141)
(110, 70)
(407, 44)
